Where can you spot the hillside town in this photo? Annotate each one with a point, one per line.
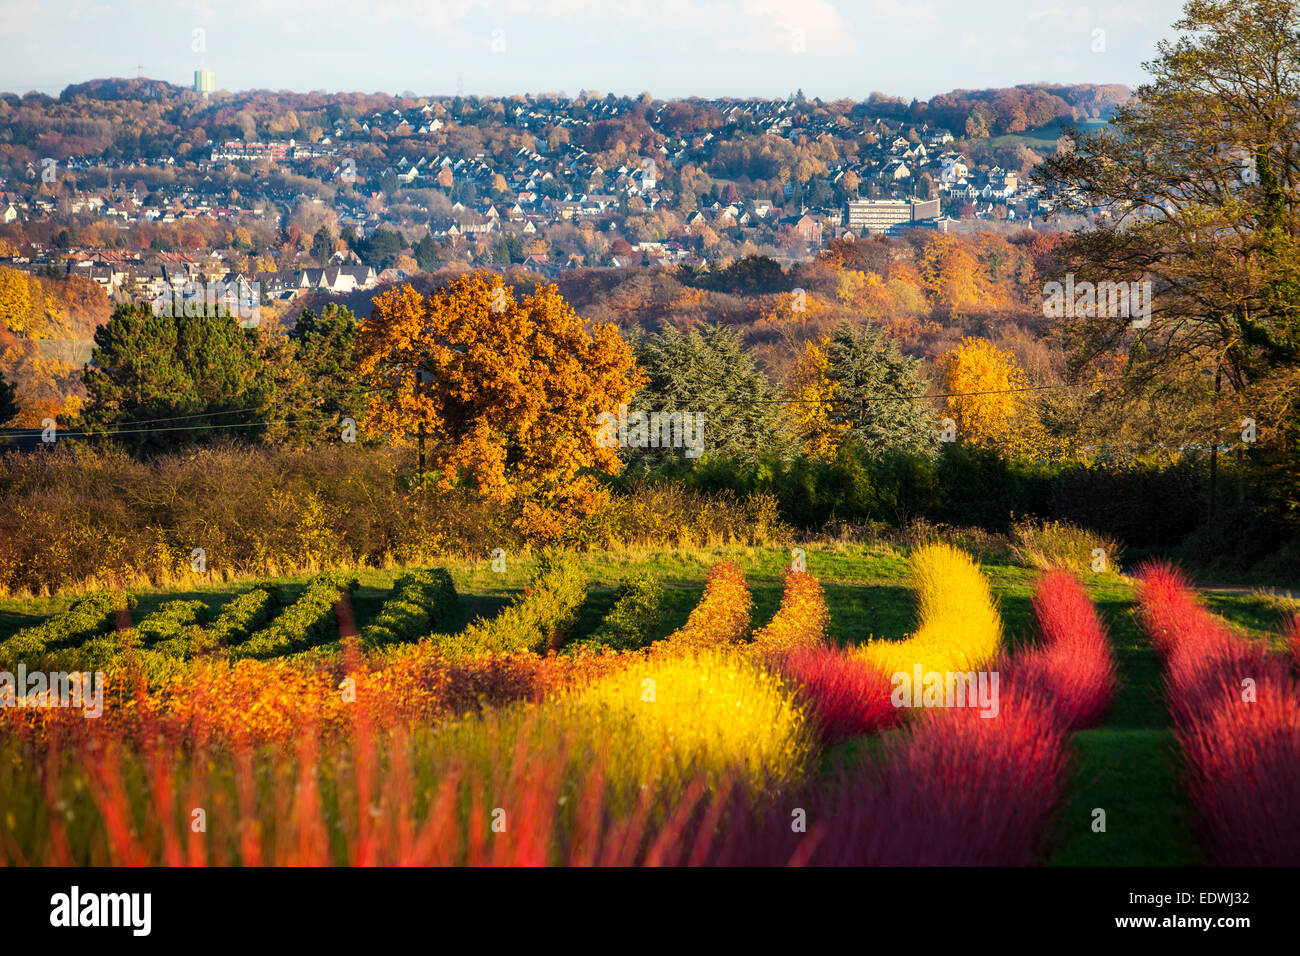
(335, 199)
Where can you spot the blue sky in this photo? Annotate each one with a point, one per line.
(828, 48)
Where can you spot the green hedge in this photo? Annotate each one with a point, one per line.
(87, 617)
(120, 652)
(537, 620)
(634, 618)
(305, 623)
(171, 622)
(243, 616)
(419, 600)
(1144, 504)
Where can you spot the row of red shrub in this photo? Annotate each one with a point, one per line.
(953, 787)
(1073, 667)
(1236, 710)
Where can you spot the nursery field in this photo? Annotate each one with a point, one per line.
(712, 705)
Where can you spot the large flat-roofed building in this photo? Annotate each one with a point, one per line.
(880, 217)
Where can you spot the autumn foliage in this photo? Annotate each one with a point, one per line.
(1073, 669)
(723, 614)
(506, 391)
(985, 392)
(802, 618)
(1236, 709)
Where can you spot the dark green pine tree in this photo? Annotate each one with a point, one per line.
(878, 393)
(157, 381)
(325, 389)
(426, 253)
(322, 246)
(709, 371)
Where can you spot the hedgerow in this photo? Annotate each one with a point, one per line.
(168, 628)
(959, 627)
(419, 600)
(802, 618)
(723, 614)
(125, 663)
(243, 616)
(87, 617)
(536, 621)
(306, 622)
(632, 620)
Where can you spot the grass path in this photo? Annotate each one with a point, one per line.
(1130, 766)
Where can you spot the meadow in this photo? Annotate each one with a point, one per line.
(463, 715)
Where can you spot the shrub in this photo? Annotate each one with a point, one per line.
(668, 721)
(845, 696)
(960, 629)
(1243, 765)
(243, 615)
(802, 618)
(334, 804)
(958, 789)
(308, 621)
(171, 624)
(654, 728)
(87, 617)
(953, 788)
(675, 716)
(1073, 668)
(419, 600)
(1241, 741)
(632, 621)
(1056, 544)
(723, 613)
(128, 666)
(536, 621)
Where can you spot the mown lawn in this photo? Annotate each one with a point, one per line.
(1128, 767)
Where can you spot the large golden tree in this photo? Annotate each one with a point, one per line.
(505, 390)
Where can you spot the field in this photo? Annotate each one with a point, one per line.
(813, 726)
(1044, 137)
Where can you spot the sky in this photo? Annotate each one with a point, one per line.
(670, 48)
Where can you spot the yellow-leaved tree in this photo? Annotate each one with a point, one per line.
(811, 401)
(986, 394)
(506, 391)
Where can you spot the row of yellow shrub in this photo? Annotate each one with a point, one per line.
(802, 618)
(959, 625)
(723, 614)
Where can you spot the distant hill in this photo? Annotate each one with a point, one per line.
(121, 88)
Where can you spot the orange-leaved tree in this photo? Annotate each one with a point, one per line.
(951, 277)
(506, 391)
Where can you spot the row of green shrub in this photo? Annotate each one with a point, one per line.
(633, 620)
(161, 643)
(87, 617)
(420, 599)
(538, 620)
(307, 622)
(244, 615)
(170, 629)
(121, 652)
